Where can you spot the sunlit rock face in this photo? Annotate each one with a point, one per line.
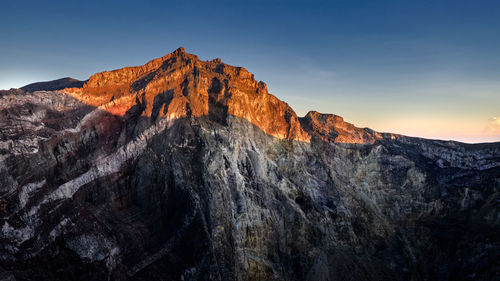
(180, 85)
(333, 128)
(189, 170)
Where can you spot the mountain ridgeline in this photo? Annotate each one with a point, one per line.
(182, 169)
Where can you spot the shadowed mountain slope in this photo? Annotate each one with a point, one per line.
(53, 85)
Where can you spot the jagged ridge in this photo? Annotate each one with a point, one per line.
(179, 85)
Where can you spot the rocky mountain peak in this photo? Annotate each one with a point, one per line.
(179, 51)
(181, 85)
(333, 128)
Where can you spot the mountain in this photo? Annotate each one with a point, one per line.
(54, 85)
(183, 169)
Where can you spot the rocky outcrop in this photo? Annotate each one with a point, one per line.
(333, 128)
(190, 170)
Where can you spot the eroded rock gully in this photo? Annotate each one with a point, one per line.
(183, 169)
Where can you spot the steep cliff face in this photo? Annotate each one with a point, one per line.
(180, 85)
(190, 170)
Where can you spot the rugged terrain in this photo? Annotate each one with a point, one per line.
(183, 169)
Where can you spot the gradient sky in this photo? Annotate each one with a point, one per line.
(420, 68)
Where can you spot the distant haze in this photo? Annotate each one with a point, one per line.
(420, 68)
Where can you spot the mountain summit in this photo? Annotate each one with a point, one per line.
(181, 85)
(183, 169)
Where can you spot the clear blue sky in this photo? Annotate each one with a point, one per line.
(424, 68)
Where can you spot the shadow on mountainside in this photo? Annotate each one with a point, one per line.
(54, 85)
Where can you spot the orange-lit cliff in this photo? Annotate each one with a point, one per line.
(180, 85)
